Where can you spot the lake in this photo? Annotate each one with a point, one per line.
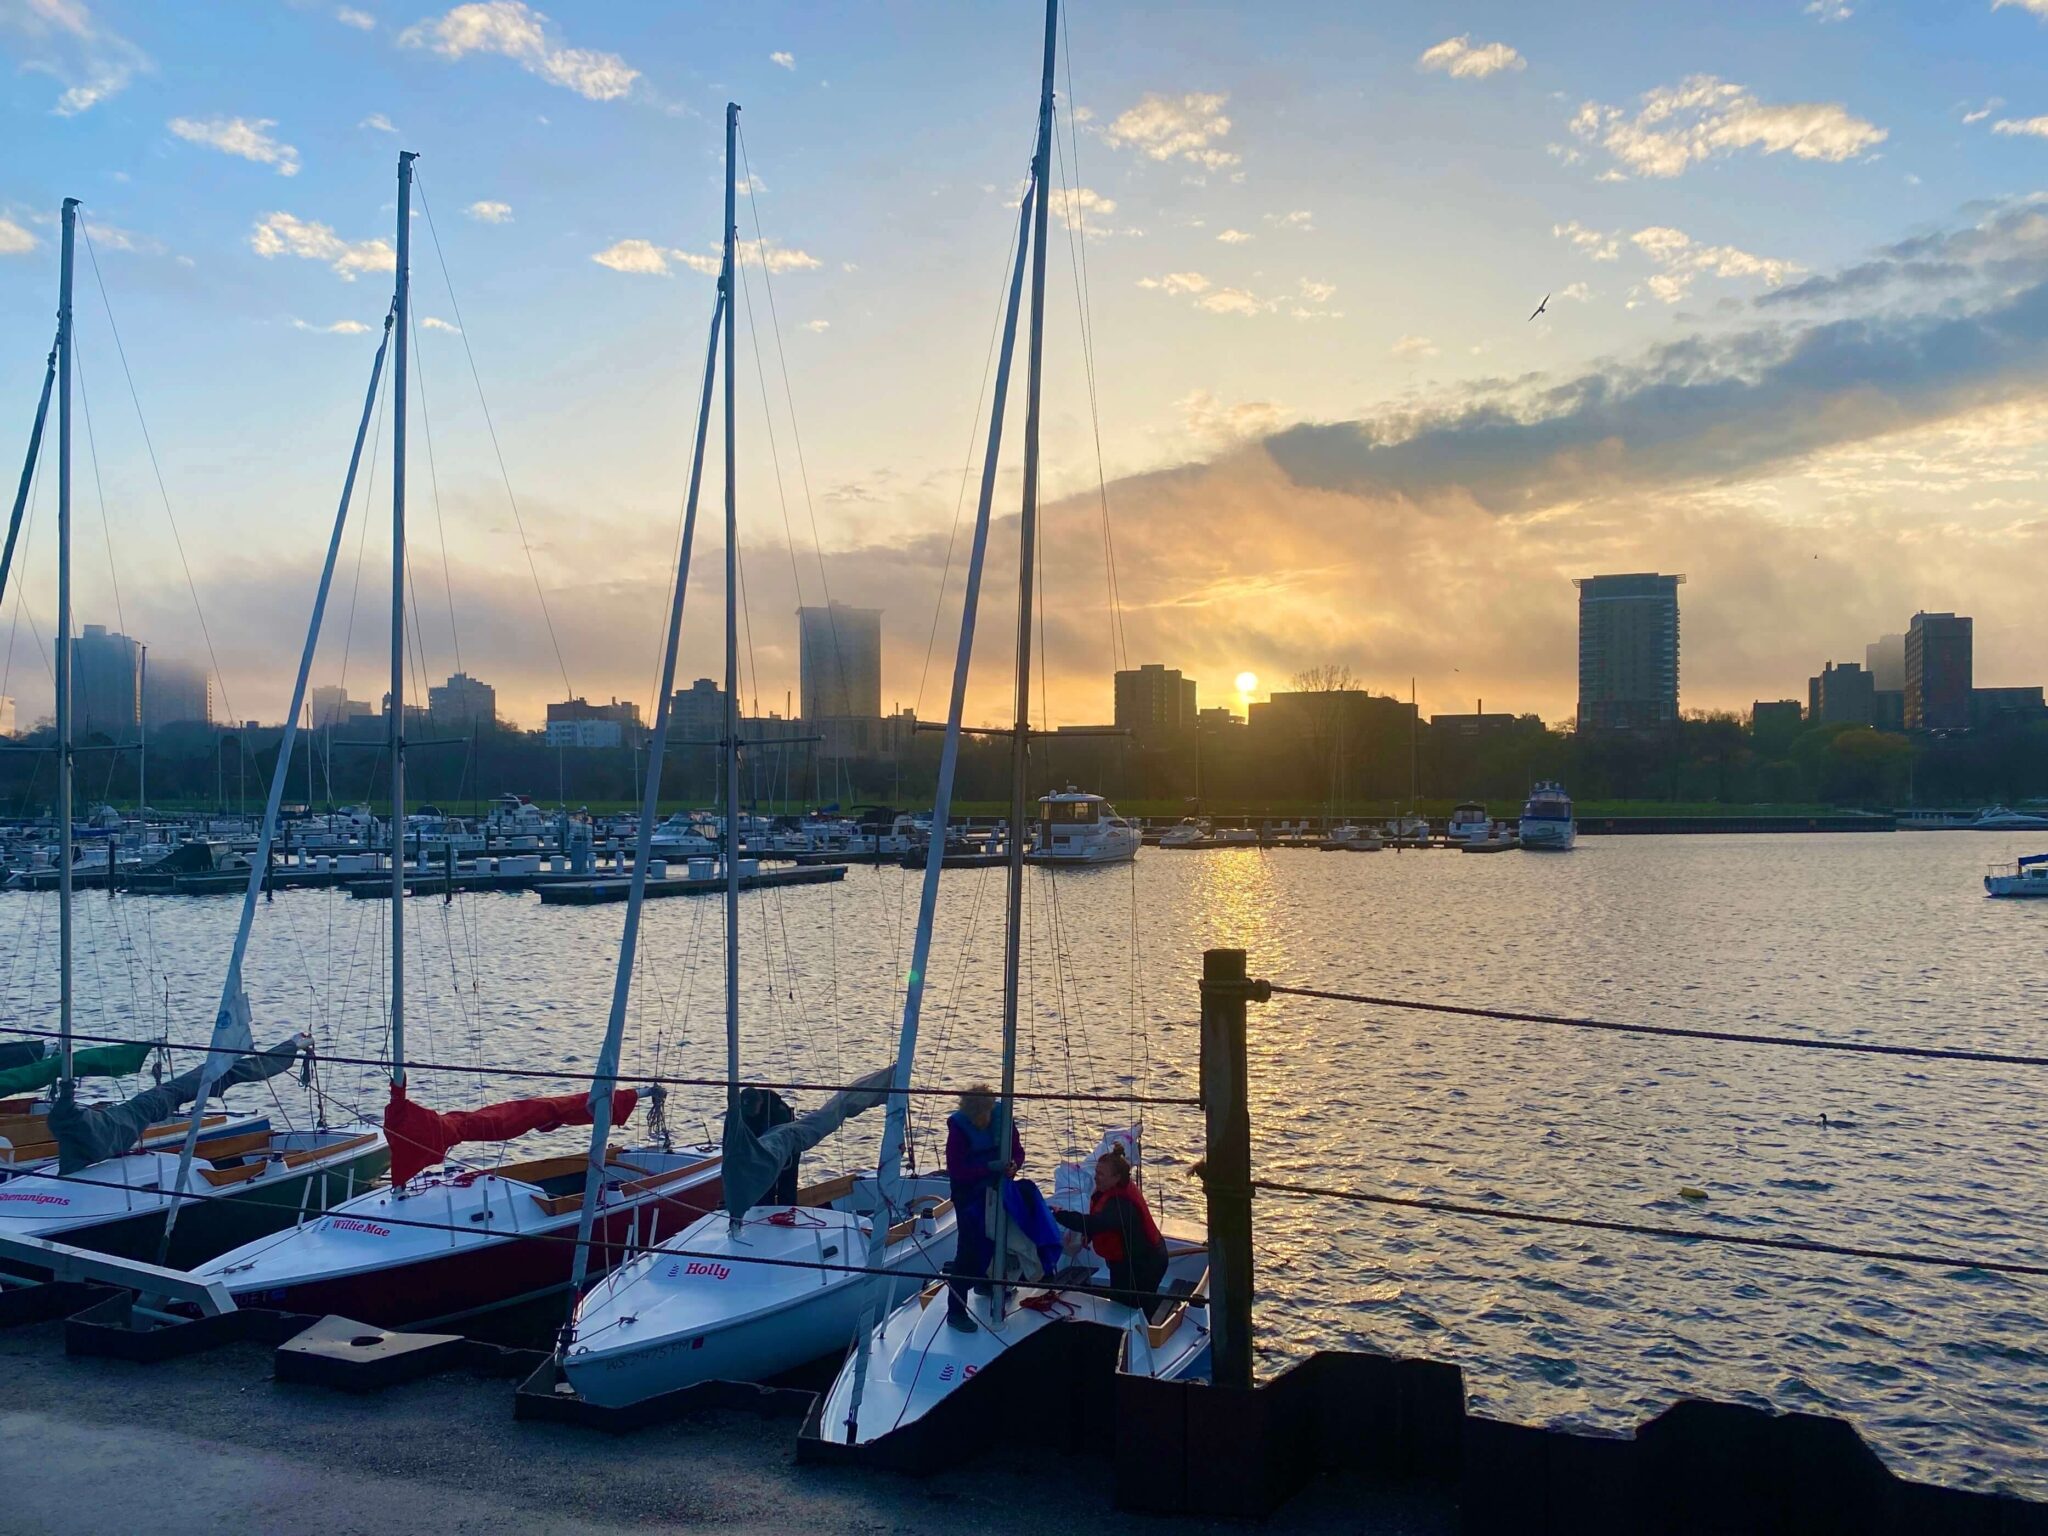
(1869, 937)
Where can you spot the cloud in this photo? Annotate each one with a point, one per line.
(1235, 237)
(2030, 127)
(246, 138)
(339, 328)
(1317, 293)
(1980, 113)
(490, 213)
(2035, 7)
(786, 60)
(1233, 301)
(1704, 118)
(515, 31)
(436, 323)
(1578, 293)
(91, 62)
(641, 257)
(1601, 247)
(1300, 219)
(817, 327)
(1177, 283)
(1078, 205)
(1214, 425)
(15, 240)
(1458, 58)
(1412, 349)
(1175, 127)
(1830, 10)
(379, 122)
(362, 21)
(645, 258)
(284, 234)
(2007, 246)
(1683, 260)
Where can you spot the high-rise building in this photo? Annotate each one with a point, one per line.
(1842, 695)
(106, 685)
(1885, 660)
(697, 714)
(1994, 707)
(462, 704)
(580, 723)
(175, 693)
(1154, 703)
(840, 662)
(1938, 647)
(1628, 651)
(332, 706)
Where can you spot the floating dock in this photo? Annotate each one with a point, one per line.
(585, 892)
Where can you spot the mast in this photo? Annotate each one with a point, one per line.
(400, 296)
(889, 1168)
(606, 1077)
(732, 650)
(28, 468)
(231, 1034)
(64, 646)
(1020, 740)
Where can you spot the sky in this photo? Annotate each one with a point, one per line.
(1296, 410)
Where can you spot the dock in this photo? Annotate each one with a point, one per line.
(585, 892)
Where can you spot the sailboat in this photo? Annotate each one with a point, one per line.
(446, 1240)
(772, 1281)
(917, 1357)
(111, 1187)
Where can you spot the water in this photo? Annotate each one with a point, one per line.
(1871, 937)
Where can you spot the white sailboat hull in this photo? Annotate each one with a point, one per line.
(695, 1309)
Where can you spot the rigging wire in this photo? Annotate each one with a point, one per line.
(462, 329)
(157, 469)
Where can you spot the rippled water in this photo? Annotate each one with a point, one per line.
(1883, 938)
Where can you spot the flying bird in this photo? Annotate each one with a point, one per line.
(1543, 308)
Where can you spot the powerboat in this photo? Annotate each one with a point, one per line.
(1547, 818)
(1408, 832)
(1469, 823)
(1188, 832)
(1999, 818)
(1079, 828)
(2027, 876)
(1352, 838)
(1235, 837)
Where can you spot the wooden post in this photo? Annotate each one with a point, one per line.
(1227, 1171)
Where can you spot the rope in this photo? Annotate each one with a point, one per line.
(588, 1077)
(1639, 1229)
(1673, 1031)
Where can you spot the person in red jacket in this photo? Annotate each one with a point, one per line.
(1118, 1225)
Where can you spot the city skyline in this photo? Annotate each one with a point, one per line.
(1793, 350)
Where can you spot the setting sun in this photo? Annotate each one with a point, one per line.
(1247, 681)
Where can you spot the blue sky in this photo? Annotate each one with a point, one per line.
(1312, 237)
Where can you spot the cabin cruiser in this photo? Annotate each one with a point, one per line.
(685, 835)
(1547, 818)
(1188, 832)
(1999, 818)
(1234, 837)
(2027, 876)
(1408, 831)
(1469, 823)
(1079, 828)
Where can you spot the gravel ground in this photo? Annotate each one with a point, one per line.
(212, 1445)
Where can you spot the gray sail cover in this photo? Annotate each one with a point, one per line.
(92, 1133)
(753, 1163)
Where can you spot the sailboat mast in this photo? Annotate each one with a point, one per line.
(728, 281)
(64, 645)
(28, 469)
(400, 298)
(1027, 556)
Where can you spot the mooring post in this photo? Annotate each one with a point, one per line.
(1227, 1170)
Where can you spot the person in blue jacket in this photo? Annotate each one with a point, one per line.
(974, 1167)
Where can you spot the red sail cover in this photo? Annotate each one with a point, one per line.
(420, 1137)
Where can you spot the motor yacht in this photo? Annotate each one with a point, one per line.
(1079, 828)
(1547, 818)
(1188, 832)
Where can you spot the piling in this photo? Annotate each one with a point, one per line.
(1227, 1168)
